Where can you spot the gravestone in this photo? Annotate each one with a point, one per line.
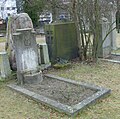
(61, 39)
(105, 50)
(118, 21)
(17, 21)
(4, 65)
(113, 22)
(44, 61)
(26, 56)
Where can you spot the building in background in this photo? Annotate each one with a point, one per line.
(7, 7)
(19, 4)
(45, 18)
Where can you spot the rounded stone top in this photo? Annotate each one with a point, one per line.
(24, 29)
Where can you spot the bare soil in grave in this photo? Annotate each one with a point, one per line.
(60, 91)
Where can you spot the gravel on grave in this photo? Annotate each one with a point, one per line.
(114, 57)
(60, 91)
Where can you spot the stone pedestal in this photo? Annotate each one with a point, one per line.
(26, 53)
(4, 65)
(33, 78)
(43, 53)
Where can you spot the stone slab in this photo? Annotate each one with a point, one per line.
(70, 110)
(112, 61)
(1, 35)
(44, 53)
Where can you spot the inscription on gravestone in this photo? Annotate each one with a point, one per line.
(27, 42)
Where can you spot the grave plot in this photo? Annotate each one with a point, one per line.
(62, 94)
(115, 58)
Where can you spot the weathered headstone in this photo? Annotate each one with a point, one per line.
(105, 50)
(26, 56)
(113, 22)
(118, 21)
(61, 39)
(4, 65)
(19, 21)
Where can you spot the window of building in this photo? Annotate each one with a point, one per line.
(2, 8)
(13, 8)
(8, 8)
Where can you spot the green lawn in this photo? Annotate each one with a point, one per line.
(117, 51)
(16, 106)
(2, 39)
(2, 44)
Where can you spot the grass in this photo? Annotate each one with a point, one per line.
(2, 39)
(117, 51)
(16, 106)
(40, 39)
(2, 43)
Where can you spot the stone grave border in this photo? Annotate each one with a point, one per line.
(70, 110)
(112, 61)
